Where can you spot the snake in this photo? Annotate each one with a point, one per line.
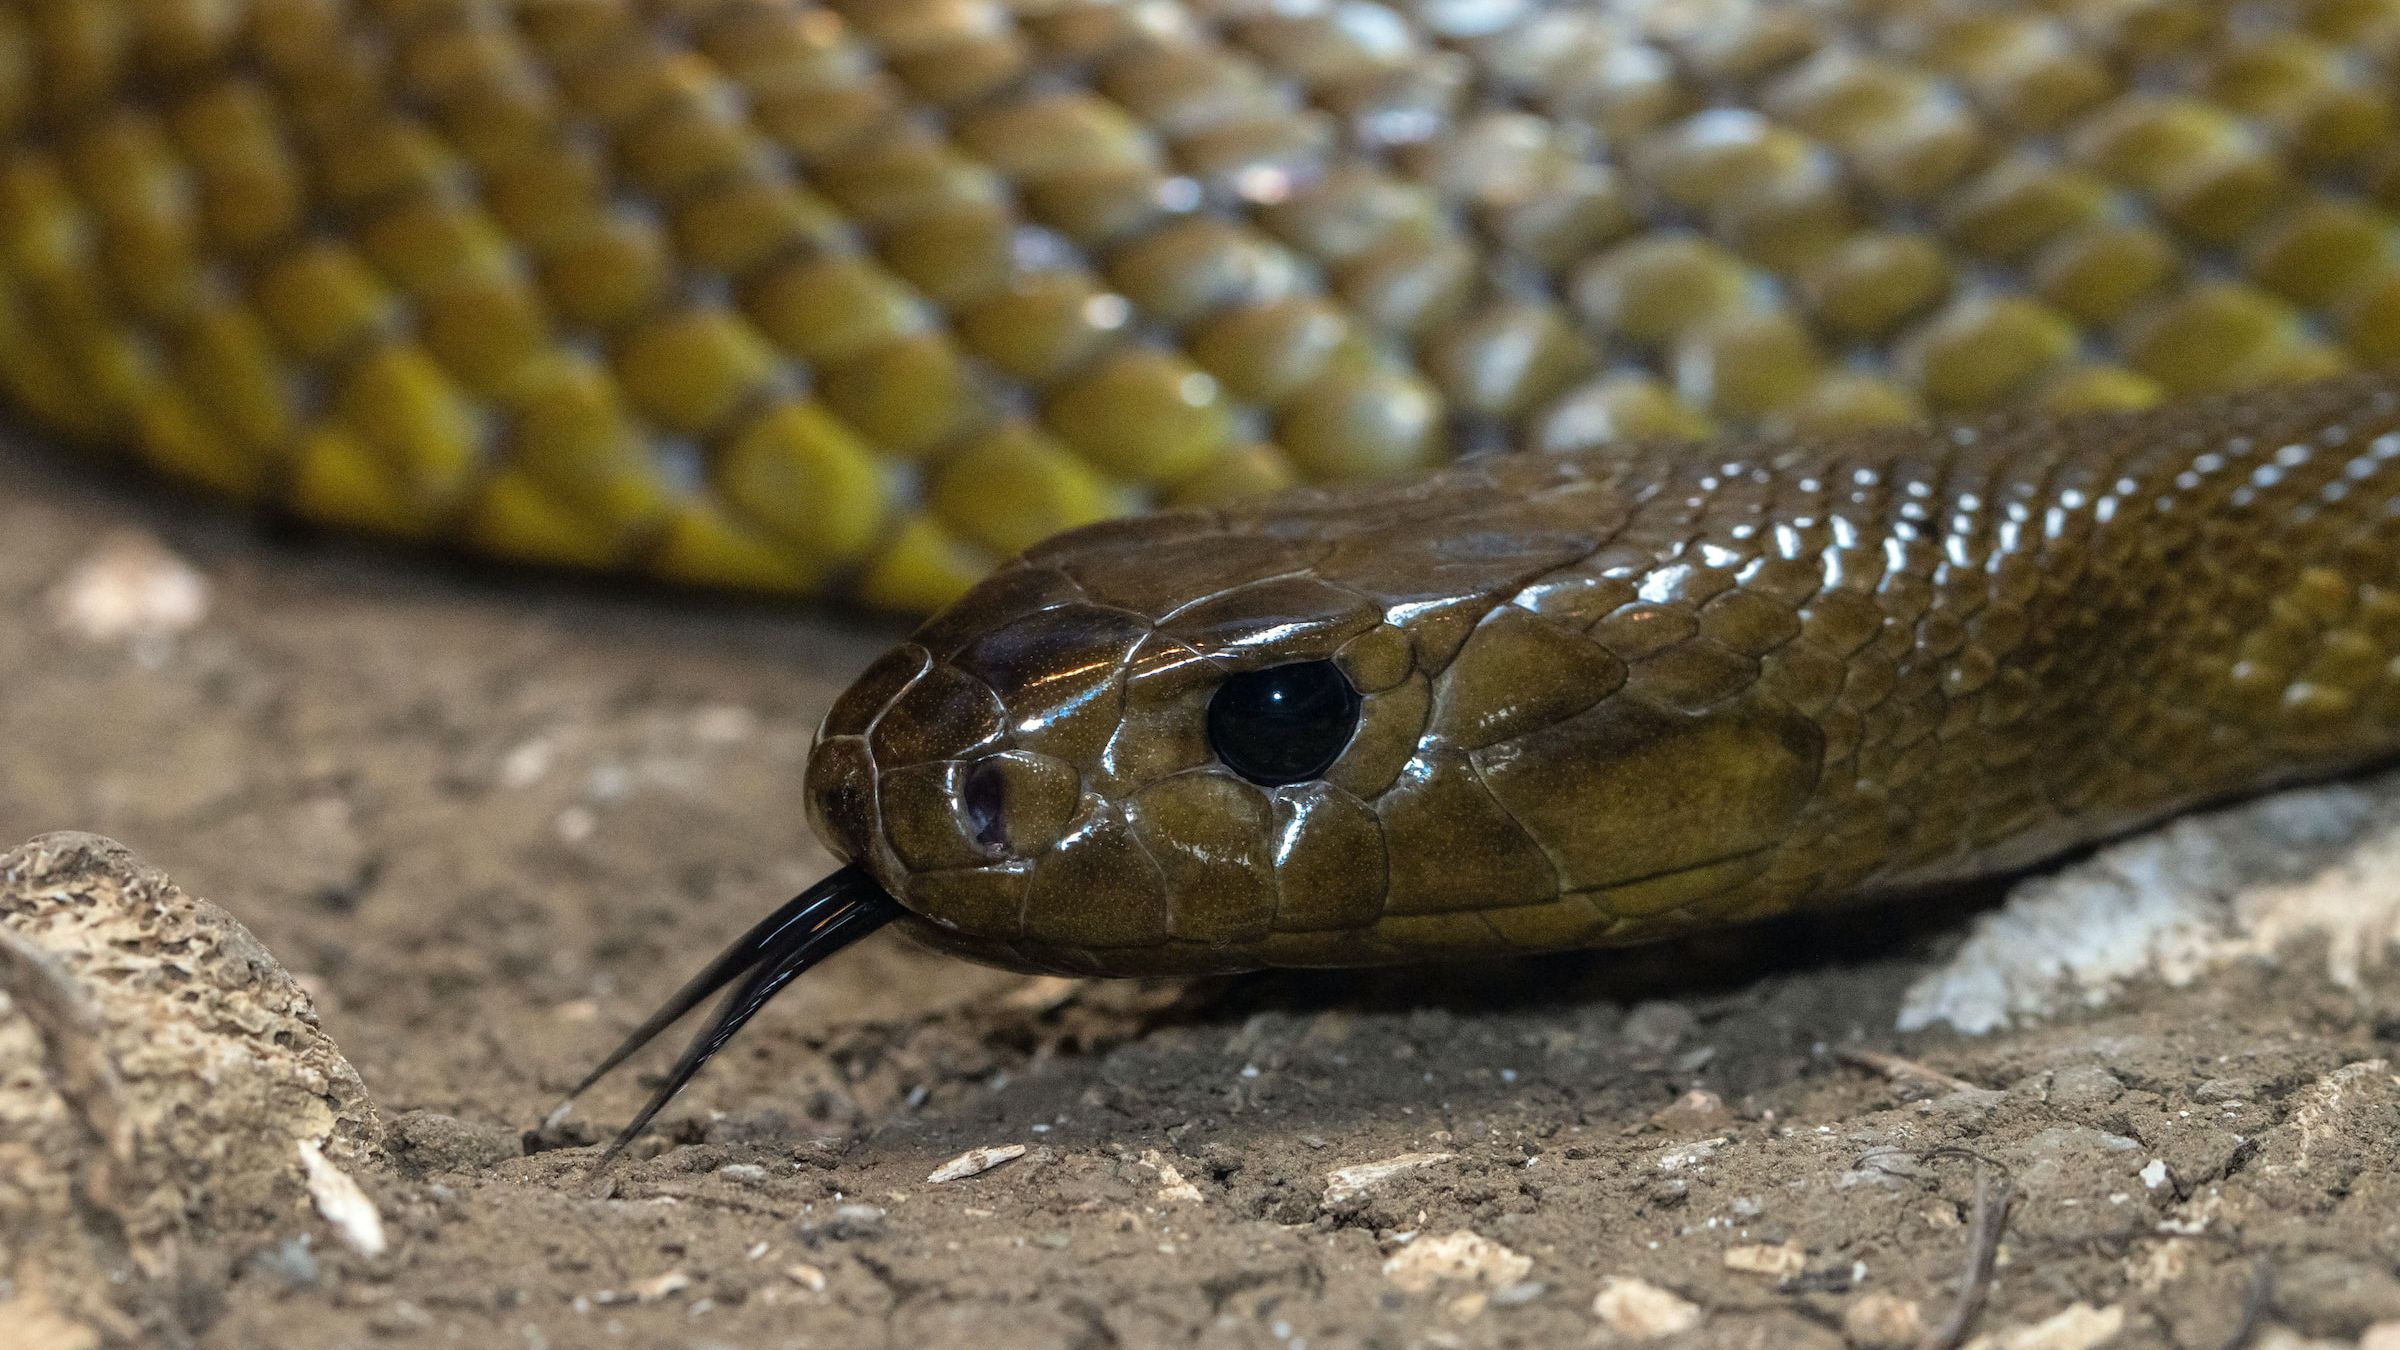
(1392, 480)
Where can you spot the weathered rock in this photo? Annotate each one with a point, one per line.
(161, 1077)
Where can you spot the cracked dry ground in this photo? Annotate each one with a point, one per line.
(491, 818)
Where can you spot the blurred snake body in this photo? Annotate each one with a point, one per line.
(1939, 435)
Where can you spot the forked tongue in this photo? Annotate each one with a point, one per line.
(813, 925)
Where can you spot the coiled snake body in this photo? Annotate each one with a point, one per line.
(862, 297)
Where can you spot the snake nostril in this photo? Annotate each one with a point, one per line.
(983, 795)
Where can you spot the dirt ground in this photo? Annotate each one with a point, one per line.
(489, 819)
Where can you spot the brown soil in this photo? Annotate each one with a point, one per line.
(490, 818)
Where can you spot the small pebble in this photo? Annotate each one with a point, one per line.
(1641, 1311)
(660, 1286)
(1172, 1188)
(1883, 1322)
(1684, 1157)
(340, 1200)
(1463, 1256)
(857, 1221)
(130, 587)
(1698, 1111)
(1782, 1260)
(1346, 1184)
(974, 1162)
(2079, 1326)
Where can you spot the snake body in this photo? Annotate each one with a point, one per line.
(863, 297)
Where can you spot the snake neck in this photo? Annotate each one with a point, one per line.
(2109, 623)
(1864, 666)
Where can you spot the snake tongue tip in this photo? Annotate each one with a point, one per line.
(810, 927)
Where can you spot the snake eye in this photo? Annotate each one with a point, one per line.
(984, 795)
(1284, 724)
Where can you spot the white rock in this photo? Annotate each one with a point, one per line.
(806, 1276)
(129, 587)
(660, 1286)
(1883, 1321)
(1463, 1256)
(2077, 1327)
(974, 1162)
(1684, 1157)
(1346, 1184)
(340, 1200)
(1639, 1310)
(1781, 1260)
(2181, 901)
(1172, 1188)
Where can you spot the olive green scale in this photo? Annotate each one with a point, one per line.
(860, 298)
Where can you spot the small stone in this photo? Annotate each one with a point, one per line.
(1685, 1157)
(1882, 1322)
(1965, 1109)
(424, 1142)
(2195, 1157)
(339, 1199)
(974, 1162)
(857, 1221)
(2284, 1338)
(1346, 1185)
(1519, 1294)
(1639, 1310)
(2161, 1265)
(823, 1153)
(1172, 1188)
(1781, 1260)
(1698, 1111)
(2077, 1327)
(723, 724)
(129, 587)
(2084, 1087)
(1462, 1256)
(748, 1174)
(806, 1276)
(660, 1286)
(291, 1261)
(1042, 993)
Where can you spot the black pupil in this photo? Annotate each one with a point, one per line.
(1284, 724)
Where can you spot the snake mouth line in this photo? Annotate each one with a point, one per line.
(809, 927)
(1680, 869)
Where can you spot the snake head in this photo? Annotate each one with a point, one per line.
(1331, 729)
(1121, 755)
